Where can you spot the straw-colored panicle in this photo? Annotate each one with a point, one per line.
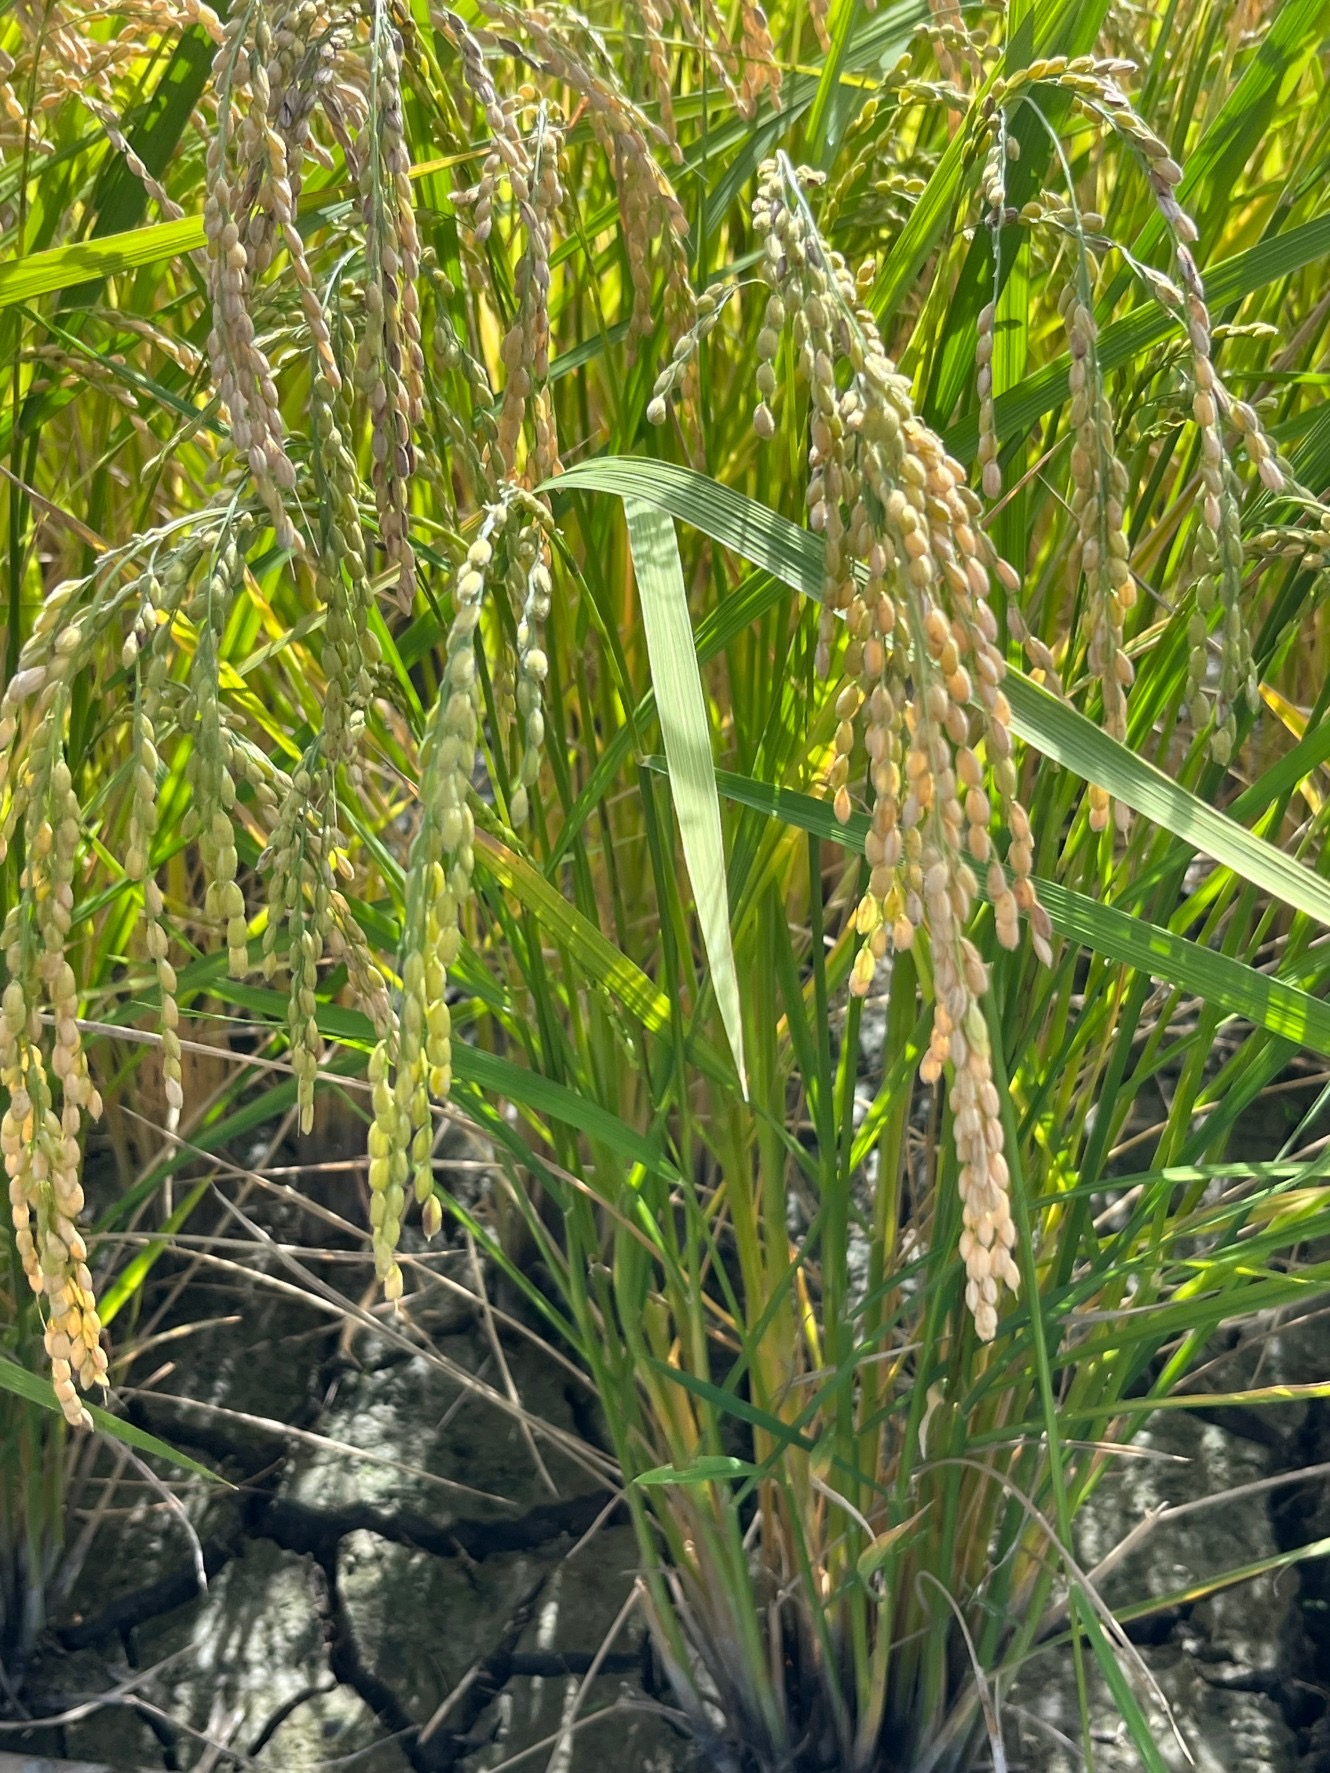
(526, 345)
(654, 43)
(994, 186)
(308, 39)
(350, 651)
(1100, 549)
(1217, 556)
(703, 30)
(12, 110)
(274, 133)
(654, 222)
(77, 51)
(468, 424)
(574, 54)
(412, 1063)
(307, 914)
(364, 975)
(507, 149)
(676, 381)
(40, 1145)
(40, 1138)
(761, 70)
(909, 568)
(46, 1198)
(138, 866)
(110, 123)
(299, 892)
(391, 366)
(241, 370)
(636, 188)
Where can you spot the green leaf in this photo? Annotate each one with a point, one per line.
(34, 1389)
(131, 1277)
(81, 261)
(794, 555)
(1127, 1702)
(604, 963)
(500, 1078)
(1070, 739)
(710, 1468)
(731, 1404)
(1120, 936)
(682, 711)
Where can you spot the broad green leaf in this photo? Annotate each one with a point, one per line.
(682, 710)
(1070, 739)
(793, 555)
(82, 261)
(730, 1404)
(709, 1468)
(1238, 989)
(499, 1078)
(35, 1389)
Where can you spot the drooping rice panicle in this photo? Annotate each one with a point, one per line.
(49, 1100)
(390, 370)
(909, 570)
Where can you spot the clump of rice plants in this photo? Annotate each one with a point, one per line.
(416, 421)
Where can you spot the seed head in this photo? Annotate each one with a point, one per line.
(909, 571)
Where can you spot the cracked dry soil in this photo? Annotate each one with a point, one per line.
(436, 1608)
(437, 1603)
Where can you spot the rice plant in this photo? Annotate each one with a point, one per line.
(423, 429)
